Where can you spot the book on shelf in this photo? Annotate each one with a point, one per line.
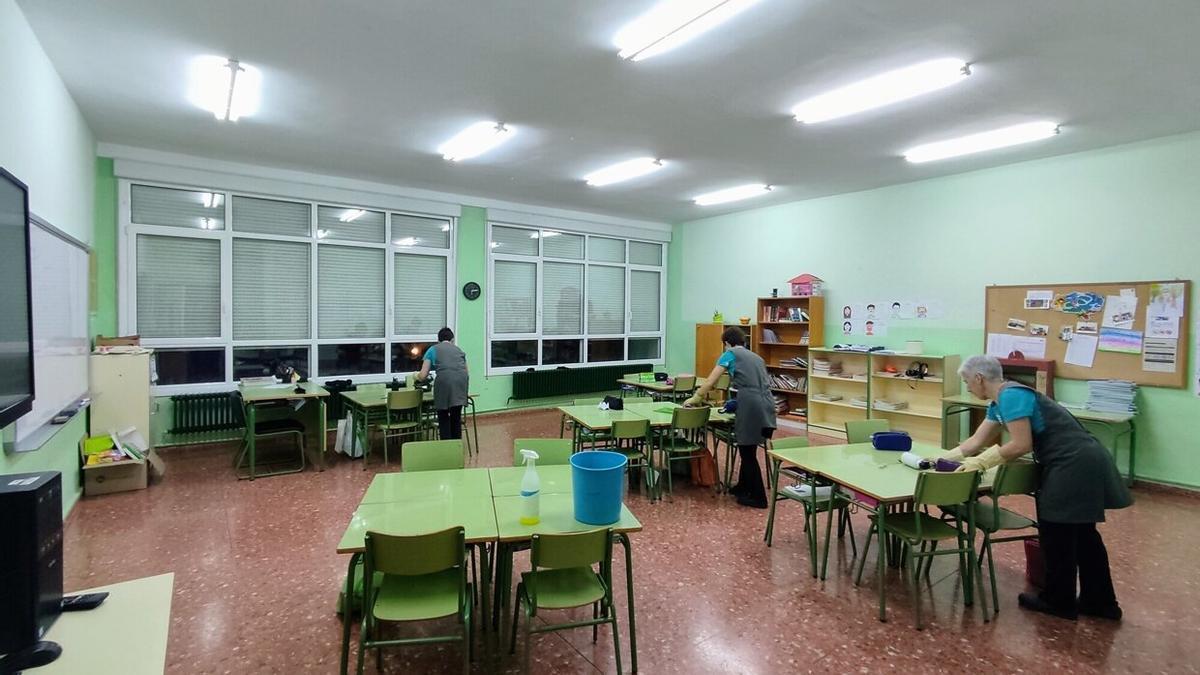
(826, 367)
(790, 382)
(799, 412)
(884, 404)
(769, 335)
(826, 397)
(858, 402)
(794, 362)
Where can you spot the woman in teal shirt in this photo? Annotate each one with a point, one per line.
(450, 386)
(1078, 481)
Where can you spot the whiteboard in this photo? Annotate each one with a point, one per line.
(60, 325)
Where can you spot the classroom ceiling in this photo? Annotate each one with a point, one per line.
(368, 89)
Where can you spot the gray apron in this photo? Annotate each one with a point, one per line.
(755, 404)
(1079, 478)
(450, 386)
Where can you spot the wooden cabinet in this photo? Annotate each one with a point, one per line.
(120, 389)
(708, 344)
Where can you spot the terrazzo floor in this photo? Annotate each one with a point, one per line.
(256, 578)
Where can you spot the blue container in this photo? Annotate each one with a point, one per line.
(598, 478)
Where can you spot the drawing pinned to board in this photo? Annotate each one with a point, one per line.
(1016, 324)
(1082, 302)
(1167, 299)
(1005, 345)
(1087, 327)
(1039, 329)
(1081, 351)
(1066, 334)
(1121, 340)
(1038, 299)
(1119, 311)
(1161, 325)
(1159, 355)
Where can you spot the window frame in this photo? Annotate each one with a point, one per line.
(128, 232)
(586, 264)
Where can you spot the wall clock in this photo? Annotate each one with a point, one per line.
(471, 290)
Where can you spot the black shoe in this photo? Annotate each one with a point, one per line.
(751, 502)
(1035, 603)
(737, 490)
(1111, 612)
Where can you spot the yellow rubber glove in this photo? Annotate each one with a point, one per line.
(693, 402)
(983, 461)
(954, 455)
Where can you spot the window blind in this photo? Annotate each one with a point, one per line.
(643, 300)
(367, 226)
(606, 300)
(644, 253)
(514, 241)
(603, 249)
(271, 216)
(514, 291)
(562, 299)
(271, 290)
(178, 287)
(150, 205)
(417, 231)
(562, 245)
(420, 294)
(350, 292)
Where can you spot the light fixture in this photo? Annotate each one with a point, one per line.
(623, 171)
(543, 235)
(671, 23)
(732, 194)
(987, 140)
(207, 224)
(321, 234)
(212, 200)
(881, 90)
(227, 88)
(475, 140)
(495, 244)
(407, 241)
(351, 215)
(446, 227)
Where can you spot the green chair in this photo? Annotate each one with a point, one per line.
(629, 388)
(921, 532)
(562, 575)
(684, 438)
(682, 388)
(432, 455)
(284, 426)
(860, 431)
(550, 451)
(813, 504)
(1013, 478)
(420, 578)
(585, 435)
(632, 439)
(404, 420)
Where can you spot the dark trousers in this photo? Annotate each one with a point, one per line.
(1068, 548)
(750, 480)
(450, 423)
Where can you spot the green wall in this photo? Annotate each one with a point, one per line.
(102, 318)
(60, 453)
(1124, 213)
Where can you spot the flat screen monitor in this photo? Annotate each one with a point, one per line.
(16, 328)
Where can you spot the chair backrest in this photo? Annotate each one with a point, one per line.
(789, 443)
(589, 401)
(945, 489)
(685, 382)
(626, 429)
(431, 455)
(550, 451)
(630, 376)
(686, 419)
(1015, 478)
(577, 549)
(410, 379)
(414, 555)
(859, 431)
(722, 382)
(405, 399)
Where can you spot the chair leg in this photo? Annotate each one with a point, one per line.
(771, 513)
(991, 563)
(866, 547)
(528, 639)
(929, 561)
(595, 616)
(916, 593)
(512, 644)
(612, 613)
(362, 636)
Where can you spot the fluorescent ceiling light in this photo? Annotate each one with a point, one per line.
(207, 224)
(543, 235)
(882, 90)
(987, 140)
(351, 215)
(227, 88)
(495, 244)
(446, 227)
(623, 171)
(475, 140)
(212, 200)
(407, 241)
(671, 23)
(732, 194)
(321, 234)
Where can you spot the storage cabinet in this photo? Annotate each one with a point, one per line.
(120, 388)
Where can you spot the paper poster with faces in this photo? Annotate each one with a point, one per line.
(864, 328)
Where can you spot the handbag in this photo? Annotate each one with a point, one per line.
(898, 441)
(704, 469)
(613, 403)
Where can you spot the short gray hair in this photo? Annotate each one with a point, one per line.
(987, 366)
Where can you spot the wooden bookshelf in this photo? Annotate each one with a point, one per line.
(829, 417)
(797, 322)
(922, 419)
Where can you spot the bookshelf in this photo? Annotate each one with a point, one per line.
(921, 398)
(796, 322)
(846, 379)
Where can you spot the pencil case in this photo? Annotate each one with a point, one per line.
(898, 441)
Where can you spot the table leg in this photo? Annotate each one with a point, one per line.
(251, 451)
(324, 434)
(828, 528)
(475, 426)
(348, 611)
(1132, 451)
(623, 540)
(881, 517)
(485, 573)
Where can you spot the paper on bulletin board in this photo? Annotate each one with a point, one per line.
(1167, 299)
(1119, 311)
(1081, 350)
(1000, 345)
(1159, 355)
(1121, 340)
(1038, 299)
(1161, 325)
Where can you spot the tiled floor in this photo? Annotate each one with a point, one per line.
(256, 577)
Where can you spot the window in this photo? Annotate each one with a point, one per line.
(560, 298)
(224, 285)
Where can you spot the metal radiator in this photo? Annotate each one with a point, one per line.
(191, 413)
(564, 381)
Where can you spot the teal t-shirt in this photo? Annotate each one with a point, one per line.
(726, 361)
(1016, 403)
(431, 355)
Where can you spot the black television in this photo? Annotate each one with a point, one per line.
(16, 330)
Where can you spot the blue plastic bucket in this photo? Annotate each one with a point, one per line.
(598, 479)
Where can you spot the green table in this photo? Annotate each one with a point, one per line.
(369, 406)
(506, 480)
(653, 411)
(651, 386)
(255, 396)
(593, 419)
(1116, 424)
(877, 474)
(402, 486)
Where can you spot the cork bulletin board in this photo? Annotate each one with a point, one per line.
(1159, 361)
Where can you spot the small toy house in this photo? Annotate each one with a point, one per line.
(806, 285)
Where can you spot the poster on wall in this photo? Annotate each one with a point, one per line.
(928, 309)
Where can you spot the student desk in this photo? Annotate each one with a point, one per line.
(555, 479)
(652, 410)
(594, 419)
(652, 386)
(255, 396)
(875, 473)
(127, 635)
(1116, 424)
(401, 486)
(369, 406)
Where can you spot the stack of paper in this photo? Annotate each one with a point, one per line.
(1113, 396)
(884, 404)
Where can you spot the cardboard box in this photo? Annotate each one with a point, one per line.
(118, 341)
(122, 476)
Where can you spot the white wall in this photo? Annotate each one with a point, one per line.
(44, 140)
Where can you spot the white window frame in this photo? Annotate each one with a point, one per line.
(586, 264)
(128, 232)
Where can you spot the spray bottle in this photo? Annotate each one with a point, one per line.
(531, 487)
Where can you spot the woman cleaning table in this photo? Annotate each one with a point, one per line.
(451, 384)
(754, 420)
(1078, 481)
